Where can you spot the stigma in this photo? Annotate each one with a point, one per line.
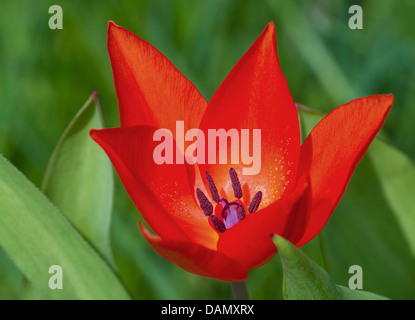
(226, 214)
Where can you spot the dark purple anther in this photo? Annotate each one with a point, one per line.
(212, 187)
(204, 202)
(236, 185)
(217, 224)
(256, 200)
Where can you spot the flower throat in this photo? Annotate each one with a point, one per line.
(227, 214)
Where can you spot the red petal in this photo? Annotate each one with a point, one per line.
(197, 259)
(150, 90)
(163, 194)
(255, 95)
(332, 151)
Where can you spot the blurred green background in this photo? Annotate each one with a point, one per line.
(47, 75)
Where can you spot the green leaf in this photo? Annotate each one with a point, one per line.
(79, 179)
(36, 236)
(349, 294)
(303, 278)
(396, 174)
(11, 278)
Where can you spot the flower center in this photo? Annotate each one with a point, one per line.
(227, 214)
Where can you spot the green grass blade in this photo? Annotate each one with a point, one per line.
(396, 174)
(313, 50)
(36, 236)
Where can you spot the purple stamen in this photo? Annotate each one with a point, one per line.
(236, 184)
(256, 200)
(219, 226)
(232, 212)
(204, 202)
(212, 188)
(241, 213)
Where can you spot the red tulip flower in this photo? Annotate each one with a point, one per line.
(210, 219)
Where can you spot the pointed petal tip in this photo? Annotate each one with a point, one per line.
(92, 134)
(112, 27)
(269, 31)
(271, 26)
(391, 97)
(110, 30)
(112, 24)
(95, 134)
(387, 96)
(383, 101)
(98, 136)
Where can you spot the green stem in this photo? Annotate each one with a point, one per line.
(239, 291)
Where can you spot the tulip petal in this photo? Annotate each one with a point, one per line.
(164, 193)
(255, 95)
(196, 259)
(150, 90)
(332, 151)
